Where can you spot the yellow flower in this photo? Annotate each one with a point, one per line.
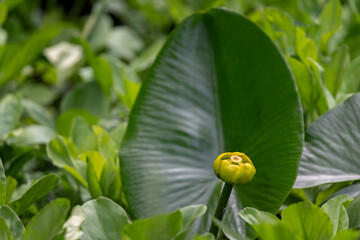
(234, 168)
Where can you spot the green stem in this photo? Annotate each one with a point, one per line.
(221, 207)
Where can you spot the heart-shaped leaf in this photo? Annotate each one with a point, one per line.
(218, 85)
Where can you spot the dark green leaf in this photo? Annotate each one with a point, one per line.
(202, 98)
(37, 190)
(48, 222)
(331, 148)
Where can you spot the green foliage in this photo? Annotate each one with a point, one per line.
(304, 220)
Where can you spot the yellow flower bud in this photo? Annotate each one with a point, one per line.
(234, 168)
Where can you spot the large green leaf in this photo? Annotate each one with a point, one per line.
(48, 222)
(218, 85)
(331, 150)
(104, 220)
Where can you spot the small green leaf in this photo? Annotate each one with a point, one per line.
(228, 231)
(329, 22)
(30, 135)
(10, 112)
(82, 135)
(58, 152)
(106, 145)
(305, 47)
(12, 221)
(64, 121)
(336, 209)
(11, 185)
(37, 190)
(160, 227)
(335, 70)
(190, 214)
(353, 213)
(5, 233)
(2, 173)
(94, 165)
(2, 193)
(308, 221)
(48, 222)
(305, 83)
(104, 220)
(38, 113)
(255, 217)
(86, 96)
(110, 182)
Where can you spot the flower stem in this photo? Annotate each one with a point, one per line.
(221, 207)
